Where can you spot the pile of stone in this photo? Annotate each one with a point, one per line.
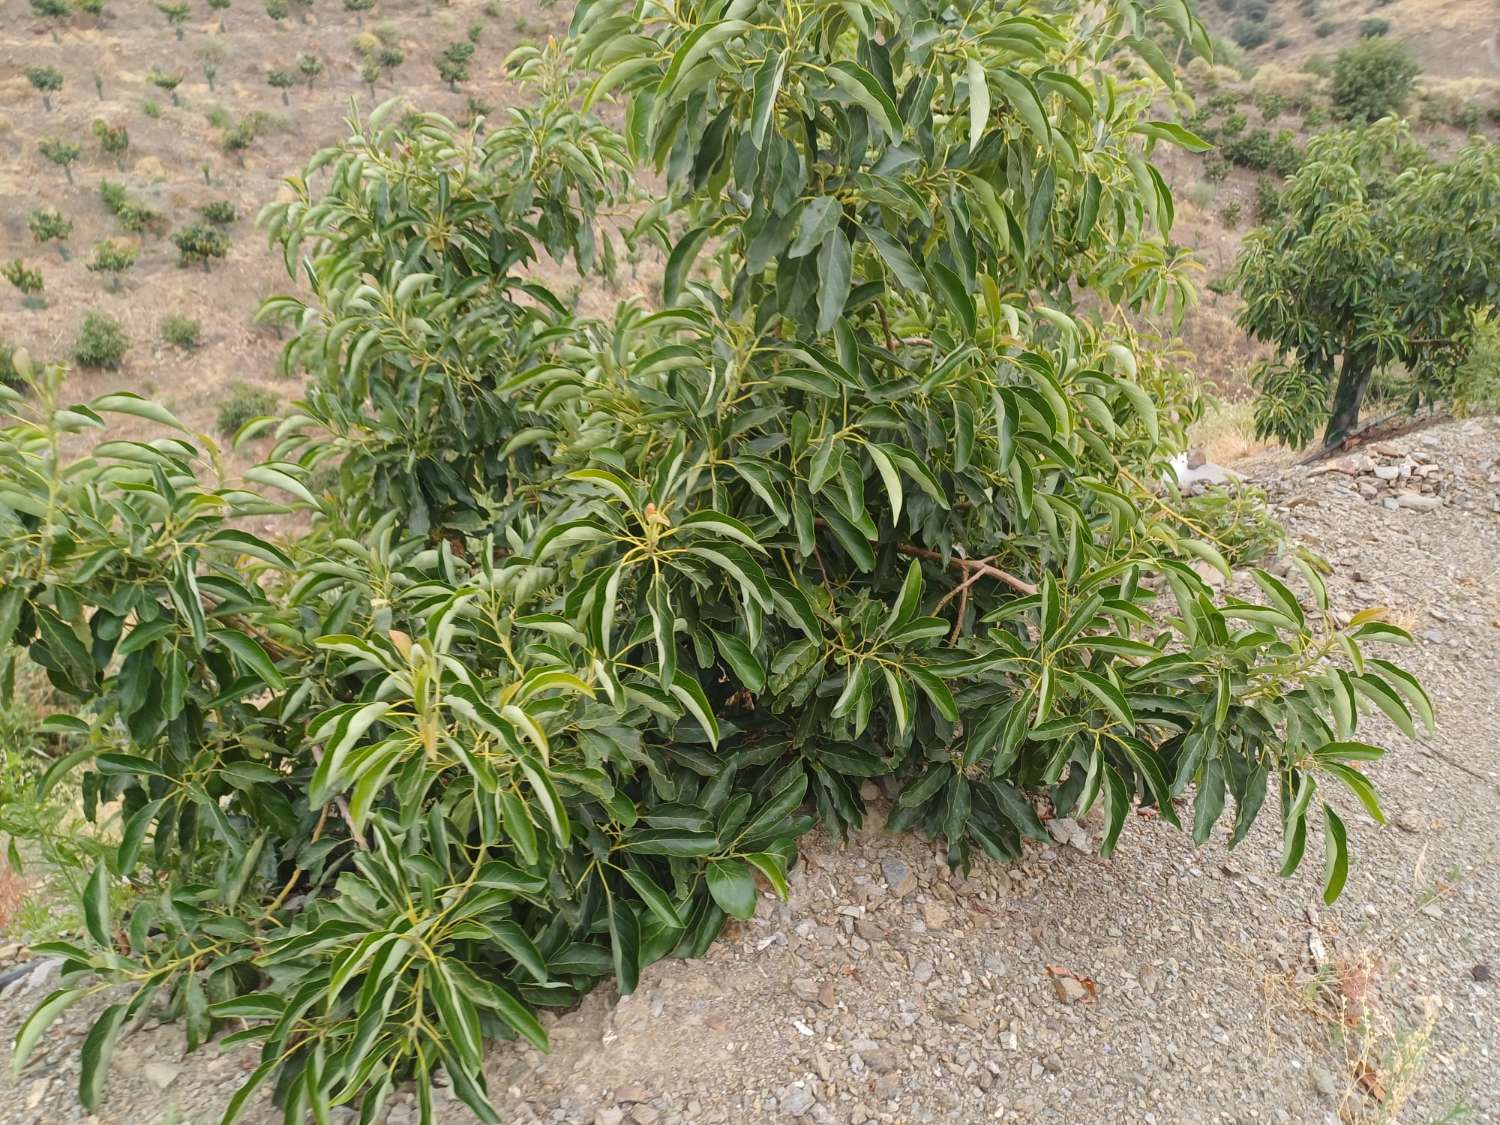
(1385, 473)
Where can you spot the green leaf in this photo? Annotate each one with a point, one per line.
(763, 103)
(835, 270)
(687, 689)
(1173, 134)
(680, 263)
(41, 1018)
(654, 897)
(936, 691)
(96, 906)
(891, 478)
(979, 102)
(1336, 855)
(1359, 785)
(820, 216)
(93, 1058)
(624, 945)
(896, 257)
(251, 653)
(1023, 98)
(741, 660)
(773, 867)
(865, 91)
(732, 887)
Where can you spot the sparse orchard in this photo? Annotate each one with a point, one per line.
(48, 224)
(113, 257)
(101, 342)
(62, 152)
(46, 81)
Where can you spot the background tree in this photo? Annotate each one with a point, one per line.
(55, 12)
(277, 10)
(453, 63)
(113, 257)
(48, 224)
(114, 140)
(310, 66)
(167, 82)
(1377, 256)
(1372, 79)
(101, 342)
(200, 245)
(62, 152)
(176, 16)
(211, 55)
(45, 80)
(27, 279)
(283, 80)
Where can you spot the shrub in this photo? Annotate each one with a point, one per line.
(283, 80)
(310, 66)
(176, 16)
(95, 8)
(1249, 34)
(181, 331)
(244, 403)
(151, 108)
(220, 212)
(550, 677)
(114, 140)
(61, 152)
(1259, 150)
(101, 342)
(10, 371)
(1372, 79)
(453, 63)
(240, 136)
(54, 10)
(1230, 215)
(134, 217)
(1374, 28)
(26, 279)
(1324, 28)
(277, 10)
(359, 8)
(211, 54)
(166, 82)
(200, 245)
(113, 257)
(48, 224)
(220, 6)
(46, 80)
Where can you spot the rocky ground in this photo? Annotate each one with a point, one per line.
(1163, 985)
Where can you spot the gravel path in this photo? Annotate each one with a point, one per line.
(1163, 985)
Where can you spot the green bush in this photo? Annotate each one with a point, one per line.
(220, 212)
(48, 224)
(25, 278)
(62, 152)
(244, 403)
(1372, 79)
(200, 245)
(135, 218)
(181, 331)
(113, 257)
(114, 140)
(1374, 28)
(1261, 151)
(604, 614)
(46, 80)
(101, 342)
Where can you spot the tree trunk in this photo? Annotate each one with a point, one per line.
(1354, 377)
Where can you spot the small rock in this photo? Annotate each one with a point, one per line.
(796, 1100)
(614, 1115)
(922, 972)
(644, 1114)
(624, 1095)
(160, 1074)
(1325, 1082)
(869, 791)
(1480, 972)
(935, 914)
(1069, 989)
(1053, 1063)
(1419, 502)
(898, 877)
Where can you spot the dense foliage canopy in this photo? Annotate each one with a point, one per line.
(582, 614)
(1377, 256)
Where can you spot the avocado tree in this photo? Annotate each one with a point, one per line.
(594, 618)
(1372, 80)
(453, 63)
(176, 16)
(310, 67)
(62, 152)
(1377, 255)
(114, 140)
(27, 279)
(167, 82)
(45, 80)
(200, 244)
(113, 256)
(53, 11)
(48, 224)
(280, 78)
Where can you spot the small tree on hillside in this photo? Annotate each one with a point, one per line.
(453, 63)
(54, 12)
(48, 224)
(200, 245)
(1372, 79)
(359, 8)
(27, 279)
(176, 16)
(46, 80)
(210, 55)
(114, 140)
(277, 10)
(220, 6)
(95, 8)
(166, 82)
(310, 66)
(63, 153)
(1377, 257)
(282, 80)
(113, 257)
